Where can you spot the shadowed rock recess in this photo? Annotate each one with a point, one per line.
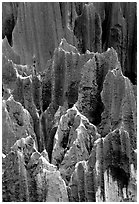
(69, 102)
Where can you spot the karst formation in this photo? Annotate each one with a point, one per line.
(69, 102)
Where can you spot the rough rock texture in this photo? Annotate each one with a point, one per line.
(73, 141)
(97, 26)
(89, 37)
(69, 103)
(70, 138)
(9, 18)
(28, 176)
(110, 22)
(22, 90)
(87, 94)
(45, 29)
(8, 51)
(120, 105)
(107, 174)
(16, 123)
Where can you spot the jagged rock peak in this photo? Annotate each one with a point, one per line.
(17, 123)
(73, 141)
(31, 175)
(119, 104)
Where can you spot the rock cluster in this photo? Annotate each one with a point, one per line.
(16, 123)
(69, 110)
(73, 141)
(37, 29)
(106, 175)
(111, 24)
(28, 176)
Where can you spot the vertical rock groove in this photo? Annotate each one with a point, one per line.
(69, 102)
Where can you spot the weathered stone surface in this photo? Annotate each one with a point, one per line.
(67, 47)
(9, 17)
(28, 176)
(45, 39)
(111, 24)
(68, 15)
(79, 7)
(47, 85)
(93, 73)
(117, 32)
(120, 104)
(8, 51)
(30, 106)
(15, 179)
(17, 123)
(48, 128)
(87, 99)
(65, 76)
(22, 89)
(37, 92)
(109, 172)
(117, 154)
(73, 141)
(9, 73)
(88, 29)
(68, 100)
(114, 24)
(66, 73)
(121, 33)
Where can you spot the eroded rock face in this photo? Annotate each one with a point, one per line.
(9, 52)
(120, 104)
(88, 29)
(17, 123)
(28, 176)
(70, 122)
(109, 22)
(88, 162)
(22, 88)
(73, 141)
(9, 73)
(96, 26)
(46, 38)
(107, 174)
(9, 18)
(87, 94)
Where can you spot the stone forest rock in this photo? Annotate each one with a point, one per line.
(69, 102)
(112, 25)
(48, 31)
(73, 141)
(16, 123)
(89, 37)
(109, 169)
(9, 18)
(120, 104)
(28, 176)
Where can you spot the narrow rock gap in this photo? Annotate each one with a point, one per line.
(106, 25)
(100, 105)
